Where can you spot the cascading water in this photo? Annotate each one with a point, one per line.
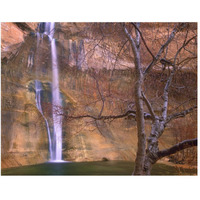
(56, 101)
(38, 89)
(55, 139)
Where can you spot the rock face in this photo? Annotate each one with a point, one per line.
(24, 133)
(12, 37)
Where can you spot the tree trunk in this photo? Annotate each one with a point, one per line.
(152, 150)
(140, 126)
(152, 147)
(140, 157)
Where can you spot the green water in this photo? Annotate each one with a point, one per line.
(92, 168)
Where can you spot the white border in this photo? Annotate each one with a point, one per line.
(119, 187)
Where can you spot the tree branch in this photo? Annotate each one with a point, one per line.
(186, 60)
(149, 106)
(118, 54)
(137, 39)
(168, 83)
(131, 40)
(101, 96)
(180, 114)
(165, 94)
(171, 37)
(195, 98)
(131, 113)
(177, 147)
(184, 44)
(145, 44)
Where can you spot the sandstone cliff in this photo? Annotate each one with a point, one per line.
(84, 62)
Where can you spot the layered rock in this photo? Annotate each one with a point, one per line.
(24, 134)
(12, 37)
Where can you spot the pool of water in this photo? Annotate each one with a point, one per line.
(92, 168)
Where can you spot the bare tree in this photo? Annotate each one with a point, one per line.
(144, 161)
(182, 36)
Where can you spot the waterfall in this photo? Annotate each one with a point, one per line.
(56, 100)
(55, 141)
(38, 89)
